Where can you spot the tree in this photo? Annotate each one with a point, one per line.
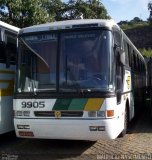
(54, 8)
(95, 9)
(23, 13)
(150, 8)
(136, 20)
(76, 9)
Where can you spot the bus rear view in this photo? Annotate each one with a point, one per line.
(65, 85)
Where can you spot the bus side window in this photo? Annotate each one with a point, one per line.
(117, 38)
(11, 51)
(2, 54)
(134, 59)
(0, 35)
(126, 49)
(129, 54)
(2, 49)
(119, 78)
(117, 42)
(138, 64)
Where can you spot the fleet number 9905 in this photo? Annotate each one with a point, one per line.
(40, 104)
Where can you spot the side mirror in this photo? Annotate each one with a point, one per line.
(116, 47)
(120, 54)
(2, 44)
(122, 58)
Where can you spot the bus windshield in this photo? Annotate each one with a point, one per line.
(84, 60)
(77, 61)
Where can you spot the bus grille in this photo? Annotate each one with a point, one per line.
(63, 113)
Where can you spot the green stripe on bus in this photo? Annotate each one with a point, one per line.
(78, 104)
(62, 104)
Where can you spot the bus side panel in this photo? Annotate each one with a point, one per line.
(6, 98)
(6, 114)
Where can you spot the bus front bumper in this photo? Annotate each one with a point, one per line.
(82, 129)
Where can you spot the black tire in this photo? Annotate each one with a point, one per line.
(123, 133)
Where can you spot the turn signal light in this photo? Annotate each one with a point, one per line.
(110, 113)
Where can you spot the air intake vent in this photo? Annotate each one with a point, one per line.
(63, 113)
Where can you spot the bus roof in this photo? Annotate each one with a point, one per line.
(70, 24)
(9, 27)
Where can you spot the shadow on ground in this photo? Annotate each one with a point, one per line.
(142, 123)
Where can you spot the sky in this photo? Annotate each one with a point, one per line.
(121, 10)
(127, 9)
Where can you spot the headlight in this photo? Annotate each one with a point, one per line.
(21, 113)
(92, 114)
(17, 113)
(101, 114)
(26, 113)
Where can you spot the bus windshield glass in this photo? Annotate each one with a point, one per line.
(38, 63)
(84, 60)
(77, 61)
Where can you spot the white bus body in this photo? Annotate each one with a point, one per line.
(8, 45)
(77, 80)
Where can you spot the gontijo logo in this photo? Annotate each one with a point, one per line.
(128, 80)
(57, 114)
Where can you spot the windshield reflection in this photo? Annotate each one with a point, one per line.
(38, 63)
(84, 60)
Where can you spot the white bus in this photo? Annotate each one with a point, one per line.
(8, 54)
(77, 79)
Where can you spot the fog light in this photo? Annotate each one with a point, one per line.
(20, 127)
(26, 127)
(93, 128)
(23, 126)
(92, 114)
(101, 128)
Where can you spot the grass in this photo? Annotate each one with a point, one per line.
(146, 52)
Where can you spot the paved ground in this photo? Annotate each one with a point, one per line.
(137, 144)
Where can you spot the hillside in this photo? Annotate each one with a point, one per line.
(140, 36)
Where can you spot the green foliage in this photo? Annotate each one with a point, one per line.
(146, 52)
(135, 23)
(54, 8)
(23, 13)
(88, 9)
